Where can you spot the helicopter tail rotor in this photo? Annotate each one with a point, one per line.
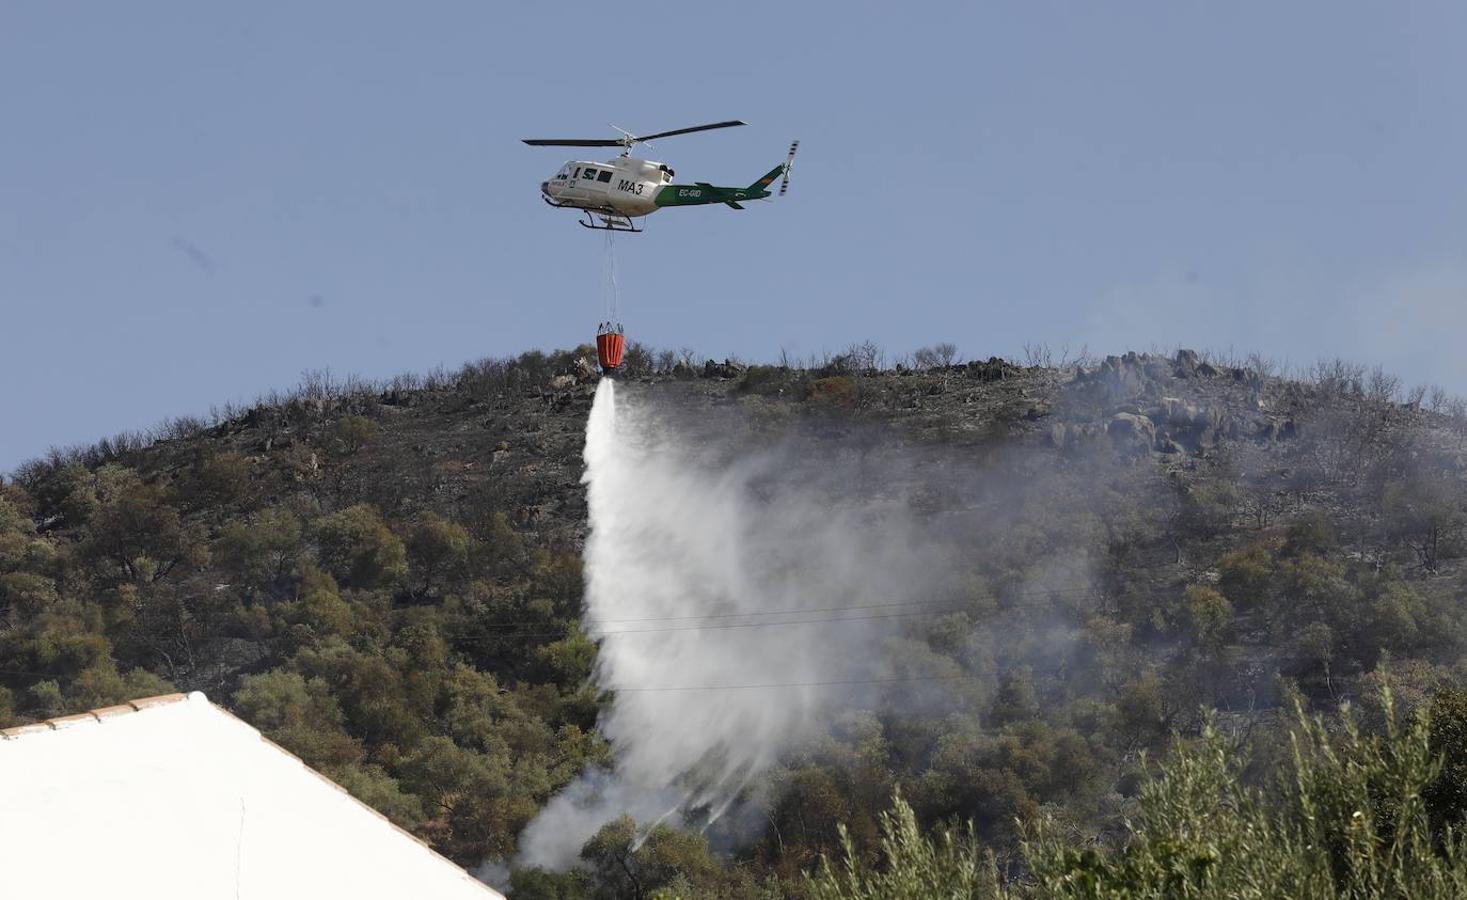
(784, 184)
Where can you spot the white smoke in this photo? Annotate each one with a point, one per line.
(714, 583)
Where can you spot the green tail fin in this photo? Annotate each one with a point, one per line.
(764, 183)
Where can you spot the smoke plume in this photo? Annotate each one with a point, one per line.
(736, 596)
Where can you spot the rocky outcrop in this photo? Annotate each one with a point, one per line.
(994, 369)
(1072, 436)
(1131, 433)
(726, 369)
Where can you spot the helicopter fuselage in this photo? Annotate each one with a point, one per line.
(625, 186)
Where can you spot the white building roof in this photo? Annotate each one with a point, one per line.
(172, 797)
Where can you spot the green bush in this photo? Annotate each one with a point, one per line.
(914, 865)
(359, 549)
(1349, 815)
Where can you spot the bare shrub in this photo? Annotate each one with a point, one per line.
(1436, 398)
(937, 356)
(1045, 357)
(1337, 377)
(1038, 356)
(1415, 396)
(1261, 366)
(437, 379)
(639, 359)
(866, 356)
(1381, 387)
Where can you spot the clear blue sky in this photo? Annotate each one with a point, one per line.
(200, 201)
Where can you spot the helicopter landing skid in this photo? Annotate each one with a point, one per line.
(609, 222)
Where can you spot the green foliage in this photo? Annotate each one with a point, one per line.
(374, 787)
(216, 479)
(1247, 577)
(1427, 511)
(438, 550)
(1207, 509)
(1142, 708)
(662, 862)
(914, 865)
(300, 714)
(100, 685)
(538, 884)
(46, 699)
(26, 594)
(1350, 815)
(133, 533)
(359, 549)
(319, 606)
(261, 550)
(1016, 699)
(1347, 819)
(1446, 797)
(353, 434)
(771, 381)
(1209, 618)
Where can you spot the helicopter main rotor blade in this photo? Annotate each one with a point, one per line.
(663, 134)
(626, 141)
(569, 142)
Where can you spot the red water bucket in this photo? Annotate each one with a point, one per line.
(610, 344)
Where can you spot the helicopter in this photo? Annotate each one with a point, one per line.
(611, 195)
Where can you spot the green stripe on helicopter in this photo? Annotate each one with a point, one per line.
(702, 193)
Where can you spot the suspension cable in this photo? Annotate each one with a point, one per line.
(611, 287)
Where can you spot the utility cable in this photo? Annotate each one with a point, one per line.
(612, 288)
(798, 610)
(786, 684)
(598, 635)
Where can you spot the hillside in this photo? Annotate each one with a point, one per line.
(386, 579)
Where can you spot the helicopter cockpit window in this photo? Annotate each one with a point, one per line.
(604, 177)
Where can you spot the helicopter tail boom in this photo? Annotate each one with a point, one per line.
(768, 179)
(702, 193)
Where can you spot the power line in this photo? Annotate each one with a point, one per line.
(776, 612)
(787, 684)
(474, 637)
(821, 620)
(795, 611)
(598, 635)
(936, 609)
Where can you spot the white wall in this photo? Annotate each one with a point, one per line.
(181, 800)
